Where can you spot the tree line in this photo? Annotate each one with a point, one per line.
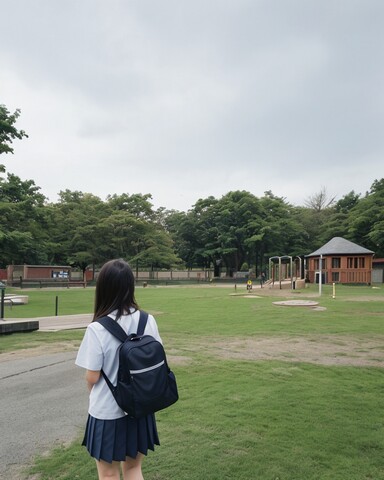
(237, 231)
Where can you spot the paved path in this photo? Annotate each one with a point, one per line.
(43, 402)
(61, 322)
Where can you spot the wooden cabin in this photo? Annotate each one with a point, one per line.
(341, 261)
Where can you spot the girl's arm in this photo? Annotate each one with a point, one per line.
(92, 377)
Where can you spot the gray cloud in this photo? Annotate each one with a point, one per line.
(190, 99)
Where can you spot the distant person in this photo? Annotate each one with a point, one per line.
(249, 285)
(115, 440)
(262, 279)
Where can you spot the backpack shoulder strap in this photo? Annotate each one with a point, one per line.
(142, 323)
(113, 328)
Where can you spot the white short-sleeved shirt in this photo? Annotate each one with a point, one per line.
(99, 350)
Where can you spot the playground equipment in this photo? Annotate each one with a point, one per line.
(287, 270)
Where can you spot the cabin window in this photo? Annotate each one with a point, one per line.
(336, 262)
(356, 262)
(323, 264)
(335, 277)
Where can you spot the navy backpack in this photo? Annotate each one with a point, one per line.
(145, 383)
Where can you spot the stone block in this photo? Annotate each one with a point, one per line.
(16, 327)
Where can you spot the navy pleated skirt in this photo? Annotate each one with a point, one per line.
(110, 440)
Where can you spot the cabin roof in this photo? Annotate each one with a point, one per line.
(340, 246)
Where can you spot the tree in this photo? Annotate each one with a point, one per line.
(8, 131)
(319, 201)
(366, 219)
(77, 229)
(23, 238)
(235, 223)
(184, 230)
(237, 228)
(137, 205)
(156, 250)
(313, 217)
(194, 233)
(336, 222)
(125, 233)
(87, 231)
(281, 230)
(346, 203)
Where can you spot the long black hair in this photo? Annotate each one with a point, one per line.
(115, 289)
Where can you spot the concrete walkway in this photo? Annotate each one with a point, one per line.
(61, 322)
(56, 390)
(43, 405)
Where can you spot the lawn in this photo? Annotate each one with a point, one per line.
(42, 302)
(266, 392)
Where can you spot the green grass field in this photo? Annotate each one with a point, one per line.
(42, 302)
(266, 392)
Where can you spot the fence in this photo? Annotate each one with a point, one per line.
(178, 275)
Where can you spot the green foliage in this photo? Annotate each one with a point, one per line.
(157, 251)
(366, 219)
(22, 237)
(83, 230)
(137, 205)
(8, 131)
(235, 229)
(76, 229)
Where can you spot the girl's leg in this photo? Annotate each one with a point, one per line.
(132, 468)
(108, 471)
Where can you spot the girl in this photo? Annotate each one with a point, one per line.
(111, 437)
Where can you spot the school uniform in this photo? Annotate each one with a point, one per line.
(110, 434)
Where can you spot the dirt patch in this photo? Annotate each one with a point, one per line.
(296, 303)
(45, 349)
(173, 357)
(178, 360)
(363, 298)
(318, 349)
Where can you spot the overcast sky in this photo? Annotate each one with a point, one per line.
(185, 99)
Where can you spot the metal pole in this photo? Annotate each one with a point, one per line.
(300, 268)
(2, 304)
(57, 305)
(271, 275)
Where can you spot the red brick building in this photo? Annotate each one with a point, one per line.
(37, 272)
(341, 261)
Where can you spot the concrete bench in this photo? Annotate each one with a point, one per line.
(16, 299)
(18, 326)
